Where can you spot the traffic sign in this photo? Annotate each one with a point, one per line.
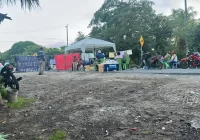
(141, 41)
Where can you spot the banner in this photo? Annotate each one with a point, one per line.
(111, 55)
(26, 63)
(129, 52)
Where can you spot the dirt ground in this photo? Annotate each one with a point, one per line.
(93, 106)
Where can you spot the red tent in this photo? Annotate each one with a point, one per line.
(64, 62)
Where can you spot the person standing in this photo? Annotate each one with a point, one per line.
(41, 60)
(173, 60)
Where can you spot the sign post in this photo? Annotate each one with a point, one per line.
(141, 44)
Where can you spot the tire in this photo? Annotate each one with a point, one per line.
(14, 84)
(184, 65)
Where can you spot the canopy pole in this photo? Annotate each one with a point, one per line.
(94, 52)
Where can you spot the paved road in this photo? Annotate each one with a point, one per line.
(166, 71)
(157, 71)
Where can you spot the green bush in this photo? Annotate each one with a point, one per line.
(58, 135)
(3, 92)
(22, 102)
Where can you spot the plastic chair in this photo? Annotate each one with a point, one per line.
(119, 60)
(126, 65)
(175, 65)
(101, 60)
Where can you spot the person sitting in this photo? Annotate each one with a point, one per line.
(173, 60)
(74, 63)
(166, 59)
(99, 56)
(80, 65)
(118, 55)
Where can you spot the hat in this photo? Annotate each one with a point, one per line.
(99, 51)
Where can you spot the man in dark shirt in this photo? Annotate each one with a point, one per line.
(99, 55)
(41, 60)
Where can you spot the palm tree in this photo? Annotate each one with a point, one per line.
(177, 19)
(25, 4)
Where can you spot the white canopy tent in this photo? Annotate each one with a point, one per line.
(90, 44)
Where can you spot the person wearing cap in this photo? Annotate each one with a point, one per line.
(99, 55)
(173, 60)
(41, 59)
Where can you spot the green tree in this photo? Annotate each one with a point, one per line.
(17, 49)
(24, 3)
(196, 41)
(80, 36)
(123, 22)
(53, 51)
(30, 50)
(181, 34)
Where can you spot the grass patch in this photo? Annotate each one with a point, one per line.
(58, 135)
(22, 102)
(3, 92)
(38, 138)
(3, 136)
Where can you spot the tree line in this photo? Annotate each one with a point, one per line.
(124, 21)
(28, 48)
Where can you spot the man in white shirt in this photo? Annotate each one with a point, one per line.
(174, 59)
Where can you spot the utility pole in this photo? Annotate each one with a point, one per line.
(186, 26)
(67, 36)
(65, 47)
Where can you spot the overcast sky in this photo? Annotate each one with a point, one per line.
(47, 25)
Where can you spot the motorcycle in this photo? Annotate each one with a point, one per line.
(192, 60)
(8, 77)
(151, 62)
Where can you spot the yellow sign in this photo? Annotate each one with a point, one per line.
(111, 55)
(141, 41)
(35, 54)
